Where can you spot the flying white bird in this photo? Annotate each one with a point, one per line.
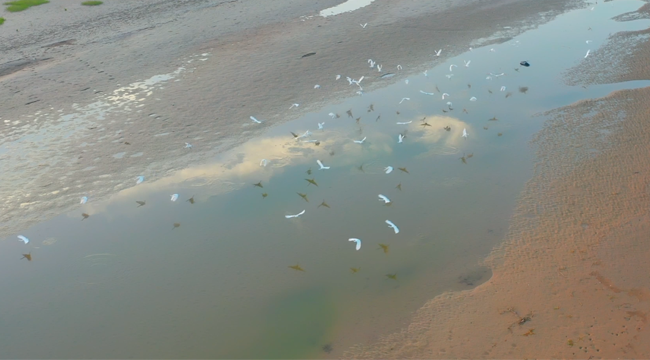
(449, 103)
(384, 198)
(400, 138)
(451, 67)
(360, 141)
(332, 115)
(472, 98)
(310, 141)
(493, 50)
(438, 52)
(497, 75)
(322, 167)
(320, 126)
(84, 200)
(174, 197)
(404, 99)
(503, 88)
(425, 73)
(188, 145)
(338, 77)
(23, 239)
(294, 216)
(305, 134)
(356, 241)
(488, 78)
(449, 76)
(364, 25)
(371, 62)
(404, 122)
(316, 86)
(139, 179)
(587, 54)
(399, 67)
(587, 42)
(349, 79)
(465, 133)
(426, 93)
(255, 120)
(391, 225)
(388, 169)
(406, 81)
(443, 95)
(293, 106)
(263, 162)
(467, 62)
(379, 68)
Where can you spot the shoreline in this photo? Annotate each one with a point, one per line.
(568, 280)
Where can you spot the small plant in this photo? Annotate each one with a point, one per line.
(92, 3)
(20, 5)
(2, 21)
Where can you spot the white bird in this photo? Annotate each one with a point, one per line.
(497, 75)
(23, 239)
(320, 126)
(587, 54)
(310, 141)
(384, 198)
(449, 76)
(316, 86)
(293, 106)
(426, 93)
(425, 73)
(188, 145)
(404, 99)
(255, 120)
(449, 103)
(438, 52)
(503, 88)
(451, 67)
(332, 115)
(467, 62)
(472, 98)
(84, 199)
(388, 169)
(139, 179)
(391, 225)
(263, 162)
(493, 50)
(294, 216)
(364, 25)
(360, 141)
(305, 134)
(587, 42)
(349, 79)
(404, 122)
(443, 95)
(488, 78)
(322, 167)
(400, 138)
(338, 77)
(358, 82)
(356, 241)
(371, 62)
(406, 81)
(379, 68)
(465, 133)
(174, 197)
(399, 67)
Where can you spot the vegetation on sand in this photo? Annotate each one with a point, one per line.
(92, 3)
(20, 5)
(2, 20)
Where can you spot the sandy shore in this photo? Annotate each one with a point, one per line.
(571, 279)
(82, 116)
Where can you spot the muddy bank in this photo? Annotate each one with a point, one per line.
(571, 278)
(78, 120)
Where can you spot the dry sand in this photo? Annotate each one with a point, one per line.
(69, 131)
(572, 278)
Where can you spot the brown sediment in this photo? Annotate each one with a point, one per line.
(571, 278)
(619, 59)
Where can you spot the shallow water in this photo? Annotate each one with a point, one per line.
(127, 283)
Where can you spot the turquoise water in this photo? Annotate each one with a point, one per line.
(127, 283)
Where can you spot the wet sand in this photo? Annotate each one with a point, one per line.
(69, 131)
(571, 279)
